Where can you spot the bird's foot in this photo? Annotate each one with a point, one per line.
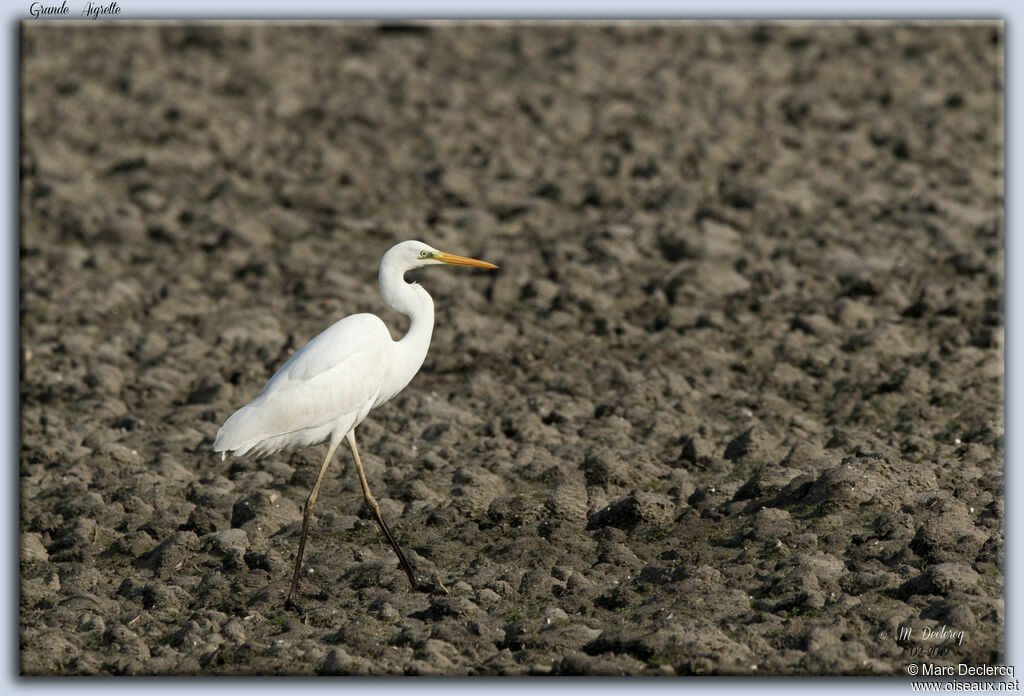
(290, 603)
(434, 587)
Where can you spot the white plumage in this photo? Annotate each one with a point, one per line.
(329, 386)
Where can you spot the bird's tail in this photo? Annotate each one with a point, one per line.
(234, 435)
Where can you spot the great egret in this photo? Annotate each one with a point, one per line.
(326, 389)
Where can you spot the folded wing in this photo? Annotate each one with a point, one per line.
(326, 387)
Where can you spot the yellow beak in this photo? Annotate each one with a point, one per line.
(454, 260)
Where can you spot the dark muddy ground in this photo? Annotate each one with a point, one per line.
(732, 405)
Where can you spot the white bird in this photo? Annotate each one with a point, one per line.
(329, 386)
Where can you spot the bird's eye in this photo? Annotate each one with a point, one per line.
(425, 254)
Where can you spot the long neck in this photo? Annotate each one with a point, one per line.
(413, 301)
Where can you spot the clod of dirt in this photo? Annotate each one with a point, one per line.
(640, 508)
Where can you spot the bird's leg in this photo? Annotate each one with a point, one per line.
(375, 508)
(307, 513)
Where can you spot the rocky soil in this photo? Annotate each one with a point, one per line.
(732, 405)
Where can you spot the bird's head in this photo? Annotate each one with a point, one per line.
(413, 254)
